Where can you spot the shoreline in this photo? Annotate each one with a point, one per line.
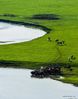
(34, 65)
(27, 24)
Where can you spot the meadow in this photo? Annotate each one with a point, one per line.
(41, 52)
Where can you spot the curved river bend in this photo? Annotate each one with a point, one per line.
(12, 33)
(18, 84)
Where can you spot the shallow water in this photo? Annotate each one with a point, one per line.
(10, 33)
(17, 84)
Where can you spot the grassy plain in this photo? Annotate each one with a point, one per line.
(39, 51)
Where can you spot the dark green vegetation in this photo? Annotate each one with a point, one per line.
(41, 51)
(46, 17)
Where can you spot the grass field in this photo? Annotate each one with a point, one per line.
(40, 51)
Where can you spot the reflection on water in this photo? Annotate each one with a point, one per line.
(10, 33)
(18, 84)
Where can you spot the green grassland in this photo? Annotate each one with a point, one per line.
(39, 52)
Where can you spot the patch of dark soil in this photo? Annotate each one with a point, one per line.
(46, 17)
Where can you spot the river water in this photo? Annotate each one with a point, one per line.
(12, 33)
(18, 84)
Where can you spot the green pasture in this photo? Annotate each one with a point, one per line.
(40, 51)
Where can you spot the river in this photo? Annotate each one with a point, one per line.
(18, 84)
(12, 33)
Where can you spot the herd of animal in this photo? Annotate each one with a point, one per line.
(46, 71)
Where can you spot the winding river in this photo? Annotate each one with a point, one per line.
(18, 84)
(12, 33)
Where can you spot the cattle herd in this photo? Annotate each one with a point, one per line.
(46, 72)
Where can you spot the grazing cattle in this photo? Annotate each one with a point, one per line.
(56, 40)
(61, 43)
(38, 74)
(71, 58)
(46, 72)
(49, 39)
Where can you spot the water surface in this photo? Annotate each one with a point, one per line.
(18, 84)
(12, 33)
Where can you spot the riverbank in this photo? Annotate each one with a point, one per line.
(26, 24)
(68, 76)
